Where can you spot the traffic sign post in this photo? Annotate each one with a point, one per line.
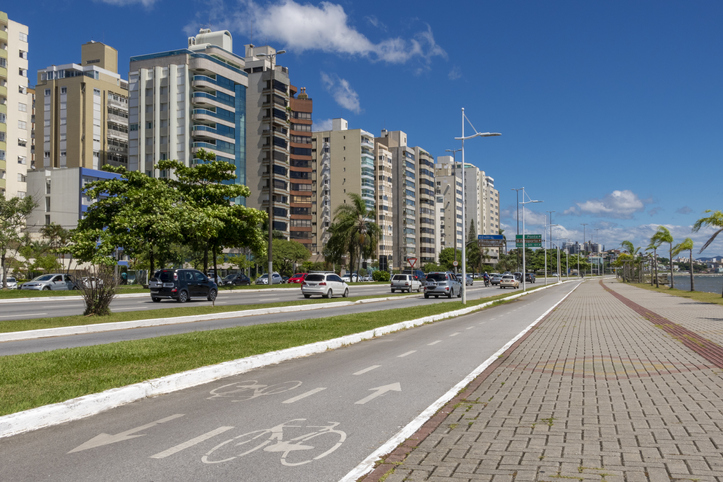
(531, 240)
(412, 262)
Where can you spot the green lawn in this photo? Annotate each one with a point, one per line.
(693, 295)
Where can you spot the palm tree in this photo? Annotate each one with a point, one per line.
(654, 245)
(662, 235)
(355, 224)
(633, 252)
(686, 244)
(715, 220)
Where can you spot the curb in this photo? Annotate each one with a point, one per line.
(88, 405)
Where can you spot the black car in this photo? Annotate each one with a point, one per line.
(181, 285)
(237, 279)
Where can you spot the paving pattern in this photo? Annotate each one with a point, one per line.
(595, 392)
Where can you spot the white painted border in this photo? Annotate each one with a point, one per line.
(367, 464)
(93, 404)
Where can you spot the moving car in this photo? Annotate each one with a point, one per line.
(53, 282)
(237, 279)
(298, 278)
(442, 284)
(509, 281)
(469, 281)
(181, 285)
(324, 284)
(276, 279)
(405, 282)
(495, 279)
(530, 277)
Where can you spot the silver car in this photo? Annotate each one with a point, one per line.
(324, 284)
(442, 284)
(49, 282)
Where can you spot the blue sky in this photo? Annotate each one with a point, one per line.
(611, 112)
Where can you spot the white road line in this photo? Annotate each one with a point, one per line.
(17, 315)
(304, 395)
(405, 354)
(362, 372)
(454, 334)
(190, 443)
(470, 327)
(434, 342)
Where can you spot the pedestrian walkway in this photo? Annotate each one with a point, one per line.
(596, 391)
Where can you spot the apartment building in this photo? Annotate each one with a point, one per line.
(185, 100)
(300, 170)
(83, 121)
(268, 147)
(15, 108)
(343, 164)
(383, 185)
(426, 232)
(449, 200)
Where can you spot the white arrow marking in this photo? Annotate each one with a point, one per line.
(105, 439)
(396, 387)
(304, 395)
(362, 372)
(190, 443)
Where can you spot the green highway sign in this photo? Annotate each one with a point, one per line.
(531, 240)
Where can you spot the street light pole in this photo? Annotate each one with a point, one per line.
(584, 236)
(463, 138)
(524, 238)
(454, 191)
(518, 225)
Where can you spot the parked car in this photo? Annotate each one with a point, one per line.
(530, 277)
(49, 282)
(469, 281)
(90, 282)
(12, 283)
(405, 282)
(284, 279)
(509, 281)
(237, 279)
(298, 278)
(495, 279)
(181, 285)
(351, 277)
(442, 284)
(276, 279)
(367, 278)
(324, 284)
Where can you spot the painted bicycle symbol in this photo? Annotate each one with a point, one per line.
(250, 389)
(295, 451)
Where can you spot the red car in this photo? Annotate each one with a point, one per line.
(298, 278)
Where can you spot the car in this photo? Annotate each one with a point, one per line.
(91, 282)
(495, 278)
(298, 278)
(405, 282)
(367, 278)
(12, 283)
(509, 281)
(469, 281)
(530, 277)
(518, 276)
(236, 279)
(47, 282)
(442, 284)
(350, 277)
(181, 285)
(284, 279)
(417, 273)
(276, 279)
(324, 284)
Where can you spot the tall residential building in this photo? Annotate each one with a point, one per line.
(267, 135)
(449, 200)
(189, 99)
(300, 171)
(343, 164)
(15, 108)
(426, 232)
(385, 205)
(83, 121)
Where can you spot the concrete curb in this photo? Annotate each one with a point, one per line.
(89, 405)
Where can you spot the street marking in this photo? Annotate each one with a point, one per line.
(454, 334)
(304, 395)
(434, 342)
(396, 387)
(362, 372)
(470, 327)
(23, 314)
(105, 439)
(190, 443)
(405, 354)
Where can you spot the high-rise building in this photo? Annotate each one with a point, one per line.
(83, 121)
(300, 170)
(267, 135)
(426, 233)
(15, 108)
(449, 200)
(385, 205)
(189, 99)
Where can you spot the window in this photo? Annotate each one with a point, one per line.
(22, 107)
(23, 37)
(47, 219)
(21, 177)
(47, 186)
(2, 118)
(21, 194)
(63, 90)
(22, 160)
(23, 72)
(22, 142)
(23, 54)
(22, 125)
(3, 63)
(22, 89)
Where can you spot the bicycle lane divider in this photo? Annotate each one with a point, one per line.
(402, 443)
(304, 395)
(191, 443)
(92, 404)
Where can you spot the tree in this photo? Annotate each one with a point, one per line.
(13, 218)
(447, 257)
(287, 254)
(356, 227)
(687, 243)
(715, 220)
(663, 235)
(653, 246)
(58, 237)
(633, 252)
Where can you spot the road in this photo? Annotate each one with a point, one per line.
(310, 419)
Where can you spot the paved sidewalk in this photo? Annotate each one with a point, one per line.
(595, 392)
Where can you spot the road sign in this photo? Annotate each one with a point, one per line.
(412, 262)
(531, 240)
(455, 264)
(498, 237)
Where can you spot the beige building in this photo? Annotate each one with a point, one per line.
(15, 108)
(426, 233)
(385, 205)
(82, 115)
(449, 201)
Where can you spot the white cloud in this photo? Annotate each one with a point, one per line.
(455, 73)
(618, 204)
(341, 91)
(321, 125)
(124, 3)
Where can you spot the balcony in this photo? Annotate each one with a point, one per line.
(116, 134)
(209, 99)
(117, 119)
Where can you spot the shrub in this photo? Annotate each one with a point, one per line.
(381, 276)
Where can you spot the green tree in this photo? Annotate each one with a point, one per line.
(355, 226)
(686, 244)
(715, 219)
(633, 252)
(287, 254)
(58, 237)
(653, 246)
(447, 257)
(663, 235)
(13, 218)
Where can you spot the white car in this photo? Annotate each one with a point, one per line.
(12, 283)
(324, 284)
(350, 277)
(406, 282)
(509, 281)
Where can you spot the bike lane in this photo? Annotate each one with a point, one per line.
(309, 419)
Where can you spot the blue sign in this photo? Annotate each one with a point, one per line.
(490, 236)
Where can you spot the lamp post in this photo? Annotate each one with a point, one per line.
(549, 240)
(584, 235)
(463, 138)
(454, 171)
(272, 59)
(559, 276)
(517, 233)
(524, 238)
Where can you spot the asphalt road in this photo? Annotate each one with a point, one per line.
(309, 419)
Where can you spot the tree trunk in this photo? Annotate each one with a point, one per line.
(205, 259)
(692, 286)
(5, 275)
(672, 284)
(215, 270)
(655, 253)
(151, 261)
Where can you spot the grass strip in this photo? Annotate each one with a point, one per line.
(702, 296)
(36, 379)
